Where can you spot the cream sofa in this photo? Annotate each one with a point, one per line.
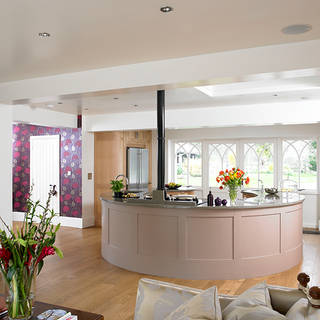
(157, 299)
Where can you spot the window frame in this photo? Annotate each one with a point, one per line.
(243, 142)
(316, 190)
(219, 142)
(277, 156)
(172, 177)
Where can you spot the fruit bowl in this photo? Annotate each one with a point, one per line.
(172, 185)
(271, 190)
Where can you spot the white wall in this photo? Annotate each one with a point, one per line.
(216, 117)
(272, 131)
(6, 164)
(42, 117)
(87, 167)
(311, 211)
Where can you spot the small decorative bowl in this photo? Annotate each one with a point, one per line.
(271, 190)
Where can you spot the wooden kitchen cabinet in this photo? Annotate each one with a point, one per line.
(110, 159)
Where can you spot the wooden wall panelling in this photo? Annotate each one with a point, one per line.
(110, 160)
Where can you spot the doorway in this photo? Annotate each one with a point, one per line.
(44, 169)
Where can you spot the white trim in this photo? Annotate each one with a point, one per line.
(65, 221)
(87, 222)
(6, 164)
(309, 225)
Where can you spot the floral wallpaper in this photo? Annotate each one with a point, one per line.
(70, 160)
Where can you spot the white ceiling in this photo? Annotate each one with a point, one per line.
(95, 34)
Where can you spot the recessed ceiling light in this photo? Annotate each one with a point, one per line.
(44, 34)
(296, 29)
(86, 109)
(166, 9)
(135, 105)
(49, 105)
(115, 98)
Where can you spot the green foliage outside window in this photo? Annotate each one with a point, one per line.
(179, 170)
(312, 156)
(195, 168)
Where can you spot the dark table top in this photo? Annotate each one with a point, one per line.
(40, 307)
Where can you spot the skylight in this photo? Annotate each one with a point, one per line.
(246, 88)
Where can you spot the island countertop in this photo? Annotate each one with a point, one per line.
(261, 201)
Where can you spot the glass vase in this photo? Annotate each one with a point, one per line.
(233, 194)
(19, 290)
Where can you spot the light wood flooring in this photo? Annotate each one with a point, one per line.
(84, 280)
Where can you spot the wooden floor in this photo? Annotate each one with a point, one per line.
(84, 280)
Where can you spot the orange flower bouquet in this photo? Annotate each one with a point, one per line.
(232, 179)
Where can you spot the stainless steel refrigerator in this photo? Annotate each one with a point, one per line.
(137, 168)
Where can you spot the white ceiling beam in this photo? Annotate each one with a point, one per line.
(217, 68)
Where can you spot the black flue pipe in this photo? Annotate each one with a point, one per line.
(160, 139)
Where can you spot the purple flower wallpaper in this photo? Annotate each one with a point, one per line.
(70, 160)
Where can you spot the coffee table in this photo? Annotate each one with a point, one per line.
(40, 307)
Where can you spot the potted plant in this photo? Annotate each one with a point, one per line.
(22, 254)
(117, 186)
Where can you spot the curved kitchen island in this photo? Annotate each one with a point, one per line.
(253, 238)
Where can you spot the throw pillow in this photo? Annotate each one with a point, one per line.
(256, 313)
(157, 299)
(253, 304)
(301, 310)
(204, 306)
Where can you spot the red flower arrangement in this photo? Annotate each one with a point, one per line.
(233, 177)
(22, 254)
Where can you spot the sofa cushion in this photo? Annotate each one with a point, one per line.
(283, 298)
(157, 299)
(301, 310)
(252, 304)
(204, 305)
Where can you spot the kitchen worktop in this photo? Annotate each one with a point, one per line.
(263, 200)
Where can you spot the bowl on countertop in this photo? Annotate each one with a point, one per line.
(173, 186)
(271, 190)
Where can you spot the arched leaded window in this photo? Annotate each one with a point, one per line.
(299, 162)
(222, 156)
(188, 163)
(259, 163)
